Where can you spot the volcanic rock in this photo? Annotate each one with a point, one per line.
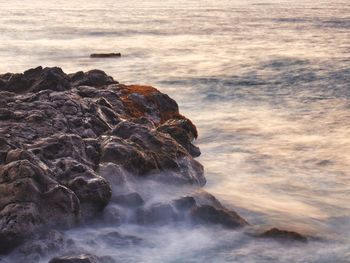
(71, 143)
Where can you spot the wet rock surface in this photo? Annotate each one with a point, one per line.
(73, 144)
(283, 235)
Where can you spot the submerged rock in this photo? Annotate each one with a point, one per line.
(283, 235)
(115, 239)
(34, 250)
(129, 200)
(84, 258)
(159, 213)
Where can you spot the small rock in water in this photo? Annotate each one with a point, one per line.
(131, 199)
(283, 235)
(116, 239)
(105, 55)
(213, 215)
(84, 258)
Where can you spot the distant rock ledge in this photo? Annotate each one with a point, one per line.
(73, 143)
(105, 55)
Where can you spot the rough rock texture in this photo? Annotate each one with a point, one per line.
(67, 141)
(72, 144)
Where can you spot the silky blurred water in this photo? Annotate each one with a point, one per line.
(266, 82)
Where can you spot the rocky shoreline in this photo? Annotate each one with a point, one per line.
(76, 148)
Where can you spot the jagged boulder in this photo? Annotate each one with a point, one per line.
(31, 199)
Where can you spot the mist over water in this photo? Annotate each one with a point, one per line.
(267, 84)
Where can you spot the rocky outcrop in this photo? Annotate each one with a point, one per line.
(72, 144)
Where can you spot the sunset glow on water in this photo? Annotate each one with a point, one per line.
(267, 84)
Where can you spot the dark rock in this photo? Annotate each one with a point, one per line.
(283, 235)
(183, 131)
(163, 154)
(185, 202)
(167, 105)
(33, 74)
(84, 258)
(17, 83)
(6, 76)
(94, 78)
(204, 208)
(113, 215)
(50, 78)
(146, 101)
(144, 122)
(60, 146)
(49, 242)
(68, 141)
(6, 114)
(130, 200)
(105, 55)
(31, 199)
(116, 239)
(17, 221)
(112, 173)
(86, 91)
(156, 214)
(93, 191)
(128, 155)
(2, 84)
(5, 147)
(210, 214)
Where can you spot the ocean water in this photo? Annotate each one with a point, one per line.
(266, 82)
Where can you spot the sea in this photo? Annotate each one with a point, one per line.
(266, 82)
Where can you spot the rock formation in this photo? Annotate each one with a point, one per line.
(72, 144)
(105, 55)
(283, 235)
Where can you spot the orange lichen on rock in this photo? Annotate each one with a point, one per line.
(142, 101)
